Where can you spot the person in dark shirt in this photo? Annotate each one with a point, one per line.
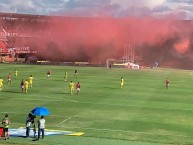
(48, 74)
(22, 86)
(75, 73)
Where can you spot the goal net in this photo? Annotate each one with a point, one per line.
(114, 63)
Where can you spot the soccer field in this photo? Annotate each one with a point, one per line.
(143, 112)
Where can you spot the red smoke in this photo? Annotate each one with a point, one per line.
(182, 46)
(97, 39)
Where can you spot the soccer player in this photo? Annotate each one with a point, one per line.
(9, 78)
(78, 88)
(65, 76)
(15, 73)
(167, 83)
(30, 81)
(75, 73)
(71, 86)
(48, 74)
(22, 86)
(122, 82)
(26, 83)
(1, 83)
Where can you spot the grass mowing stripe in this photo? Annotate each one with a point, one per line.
(81, 102)
(113, 130)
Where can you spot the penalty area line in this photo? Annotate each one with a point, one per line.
(67, 119)
(64, 121)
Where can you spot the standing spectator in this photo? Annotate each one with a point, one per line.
(33, 124)
(78, 88)
(41, 127)
(9, 78)
(6, 123)
(28, 124)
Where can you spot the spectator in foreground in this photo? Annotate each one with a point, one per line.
(6, 123)
(41, 127)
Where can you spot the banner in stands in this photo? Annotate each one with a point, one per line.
(20, 50)
(4, 51)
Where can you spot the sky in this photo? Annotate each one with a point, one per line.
(178, 9)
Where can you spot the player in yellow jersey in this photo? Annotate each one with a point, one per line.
(26, 85)
(15, 73)
(71, 86)
(122, 82)
(30, 79)
(1, 83)
(65, 76)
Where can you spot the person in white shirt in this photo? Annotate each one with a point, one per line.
(41, 127)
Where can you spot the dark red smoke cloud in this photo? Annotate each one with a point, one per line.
(97, 39)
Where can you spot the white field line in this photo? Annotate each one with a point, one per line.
(68, 119)
(64, 121)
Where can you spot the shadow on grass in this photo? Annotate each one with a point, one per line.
(60, 93)
(35, 139)
(10, 91)
(114, 88)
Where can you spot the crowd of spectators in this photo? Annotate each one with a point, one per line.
(22, 24)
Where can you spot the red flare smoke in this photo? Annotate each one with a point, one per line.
(97, 39)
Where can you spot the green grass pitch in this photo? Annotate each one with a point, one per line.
(143, 112)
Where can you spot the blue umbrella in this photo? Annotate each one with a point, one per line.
(40, 111)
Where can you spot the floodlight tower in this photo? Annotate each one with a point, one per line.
(129, 52)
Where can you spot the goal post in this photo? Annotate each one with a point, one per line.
(113, 63)
(109, 62)
(117, 63)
